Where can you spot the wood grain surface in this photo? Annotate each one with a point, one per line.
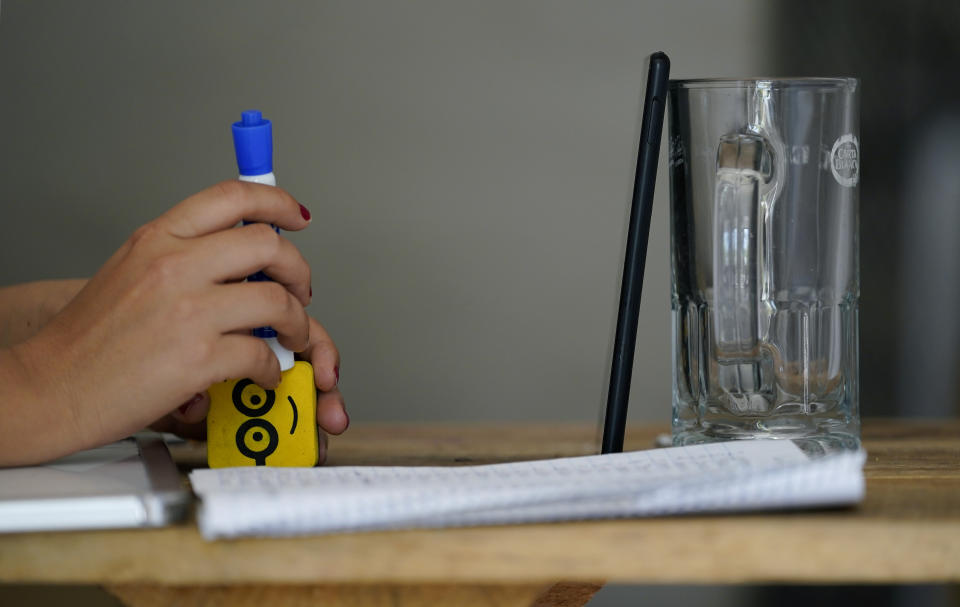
(906, 531)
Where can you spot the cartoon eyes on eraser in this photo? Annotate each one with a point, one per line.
(250, 426)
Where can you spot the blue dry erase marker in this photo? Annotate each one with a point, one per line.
(253, 143)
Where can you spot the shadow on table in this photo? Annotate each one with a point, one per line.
(615, 595)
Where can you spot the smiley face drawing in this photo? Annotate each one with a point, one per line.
(250, 426)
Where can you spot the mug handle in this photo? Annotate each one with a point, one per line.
(744, 164)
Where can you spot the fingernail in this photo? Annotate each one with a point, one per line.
(311, 291)
(336, 371)
(304, 212)
(186, 406)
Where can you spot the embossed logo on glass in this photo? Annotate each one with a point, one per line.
(845, 161)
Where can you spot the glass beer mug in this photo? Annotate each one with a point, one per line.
(765, 260)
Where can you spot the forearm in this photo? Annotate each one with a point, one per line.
(36, 427)
(26, 308)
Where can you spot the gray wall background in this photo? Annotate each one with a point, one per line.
(468, 166)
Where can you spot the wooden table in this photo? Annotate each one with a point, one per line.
(906, 531)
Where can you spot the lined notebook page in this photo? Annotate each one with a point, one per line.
(718, 477)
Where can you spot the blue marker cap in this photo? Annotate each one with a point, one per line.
(253, 143)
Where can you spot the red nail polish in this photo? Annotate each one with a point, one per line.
(196, 398)
(336, 371)
(311, 291)
(304, 212)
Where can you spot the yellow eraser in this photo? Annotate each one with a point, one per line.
(250, 426)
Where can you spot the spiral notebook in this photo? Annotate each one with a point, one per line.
(719, 477)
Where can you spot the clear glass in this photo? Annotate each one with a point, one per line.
(764, 194)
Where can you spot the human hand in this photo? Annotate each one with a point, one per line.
(165, 318)
(189, 420)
